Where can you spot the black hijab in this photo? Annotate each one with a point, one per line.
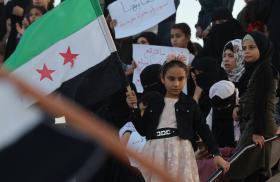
(150, 79)
(211, 72)
(266, 51)
(222, 122)
(219, 35)
(264, 45)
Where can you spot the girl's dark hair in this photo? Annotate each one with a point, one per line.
(51, 5)
(187, 31)
(40, 8)
(197, 46)
(173, 63)
(150, 36)
(221, 13)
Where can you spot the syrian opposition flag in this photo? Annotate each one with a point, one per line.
(70, 46)
(33, 150)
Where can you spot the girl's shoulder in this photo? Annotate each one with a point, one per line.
(152, 97)
(186, 99)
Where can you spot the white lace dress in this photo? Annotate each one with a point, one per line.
(174, 154)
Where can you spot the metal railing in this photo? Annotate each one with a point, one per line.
(236, 155)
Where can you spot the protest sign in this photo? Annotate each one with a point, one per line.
(135, 16)
(145, 55)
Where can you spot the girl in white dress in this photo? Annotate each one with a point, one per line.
(170, 124)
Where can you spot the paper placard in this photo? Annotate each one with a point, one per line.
(145, 55)
(135, 16)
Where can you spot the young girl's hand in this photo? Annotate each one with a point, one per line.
(113, 24)
(131, 68)
(235, 114)
(131, 99)
(20, 29)
(198, 33)
(220, 162)
(258, 139)
(125, 137)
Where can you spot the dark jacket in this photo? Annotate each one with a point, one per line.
(268, 12)
(257, 106)
(207, 8)
(219, 35)
(3, 27)
(12, 40)
(189, 120)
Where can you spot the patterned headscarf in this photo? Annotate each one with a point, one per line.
(237, 72)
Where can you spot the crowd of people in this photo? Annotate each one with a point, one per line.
(194, 114)
(228, 81)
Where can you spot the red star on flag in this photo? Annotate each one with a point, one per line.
(69, 57)
(45, 73)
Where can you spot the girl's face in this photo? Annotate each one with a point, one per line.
(142, 40)
(178, 38)
(174, 81)
(229, 60)
(34, 14)
(251, 51)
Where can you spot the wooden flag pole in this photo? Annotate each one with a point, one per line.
(87, 123)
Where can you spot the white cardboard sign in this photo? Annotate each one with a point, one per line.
(145, 55)
(135, 16)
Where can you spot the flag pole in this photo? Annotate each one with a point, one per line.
(87, 123)
(109, 40)
(128, 87)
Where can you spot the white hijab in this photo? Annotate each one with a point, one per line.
(237, 72)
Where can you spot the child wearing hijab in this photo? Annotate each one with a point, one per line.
(233, 60)
(226, 131)
(205, 72)
(223, 99)
(256, 109)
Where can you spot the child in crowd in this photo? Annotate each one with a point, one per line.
(181, 37)
(226, 131)
(47, 4)
(223, 96)
(233, 63)
(256, 108)
(205, 72)
(150, 80)
(32, 14)
(147, 38)
(170, 123)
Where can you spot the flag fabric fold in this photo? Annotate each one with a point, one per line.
(69, 49)
(71, 40)
(31, 149)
